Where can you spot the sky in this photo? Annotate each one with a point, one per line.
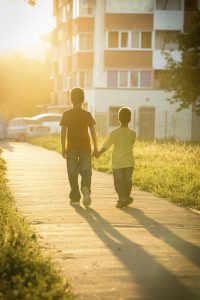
(21, 25)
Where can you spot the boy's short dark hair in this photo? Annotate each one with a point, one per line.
(77, 95)
(124, 115)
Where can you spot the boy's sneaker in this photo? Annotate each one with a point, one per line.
(74, 202)
(121, 203)
(129, 200)
(86, 196)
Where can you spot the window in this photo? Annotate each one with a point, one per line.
(168, 4)
(66, 47)
(50, 119)
(123, 79)
(73, 79)
(158, 79)
(129, 79)
(66, 12)
(145, 79)
(146, 40)
(85, 7)
(82, 79)
(129, 39)
(113, 37)
(85, 42)
(133, 79)
(166, 40)
(124, 40)
(113, 116)
(112, 79)
(129, 6)
(31, 122)
(134, 39)
(66, 83)
(191, 4)
(89, 79)
(75, 43)
(85, 79)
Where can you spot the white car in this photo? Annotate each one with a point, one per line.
(50, 119)
(22, 128)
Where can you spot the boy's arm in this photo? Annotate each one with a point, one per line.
(108, 142)
(94, 138)
(101, 151)
(63, 139)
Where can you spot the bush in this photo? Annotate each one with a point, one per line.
(24, 272)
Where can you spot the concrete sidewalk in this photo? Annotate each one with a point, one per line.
(148, 251)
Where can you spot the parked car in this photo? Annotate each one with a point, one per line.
(50, 119)
(22, 128)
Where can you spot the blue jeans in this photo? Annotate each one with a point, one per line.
(78, 162)
(123, 181)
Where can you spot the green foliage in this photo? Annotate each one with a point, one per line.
(24, 83)
(169, 170)
(184, 77)
(24, 272)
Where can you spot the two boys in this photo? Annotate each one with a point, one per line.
(75, 123)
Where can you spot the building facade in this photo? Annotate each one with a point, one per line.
(114, 50)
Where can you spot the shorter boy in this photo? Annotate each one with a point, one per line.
(123, 139)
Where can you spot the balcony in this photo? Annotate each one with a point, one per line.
(168, 19)
(159, 61)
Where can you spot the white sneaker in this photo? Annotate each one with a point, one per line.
(74, 203)
(86, 196)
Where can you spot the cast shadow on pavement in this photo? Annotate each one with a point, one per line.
(189, 250)
(154, 280)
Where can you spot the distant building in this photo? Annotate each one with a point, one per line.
(113, 49)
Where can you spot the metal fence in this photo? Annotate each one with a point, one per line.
(150, 124)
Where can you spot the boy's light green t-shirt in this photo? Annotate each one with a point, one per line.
(123, 139)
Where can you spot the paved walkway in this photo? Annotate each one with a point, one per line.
(148, 251)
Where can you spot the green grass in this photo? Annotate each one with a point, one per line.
(170, 170)
(25, 274)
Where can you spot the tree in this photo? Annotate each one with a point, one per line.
(184, 77)
(24, 83)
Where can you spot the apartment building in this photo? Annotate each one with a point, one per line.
(114, 50)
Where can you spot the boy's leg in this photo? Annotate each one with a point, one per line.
(73, 172)
(118, 175)
(128, 172)
(85, 170)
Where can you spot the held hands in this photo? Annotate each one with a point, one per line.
(96, 153)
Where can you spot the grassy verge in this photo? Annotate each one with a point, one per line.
(169, 170)
(24, 273)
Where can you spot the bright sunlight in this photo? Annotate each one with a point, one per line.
(21, 25)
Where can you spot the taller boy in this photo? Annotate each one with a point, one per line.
(75, 124)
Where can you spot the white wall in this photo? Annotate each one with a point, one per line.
(178, 124)
(90, 100)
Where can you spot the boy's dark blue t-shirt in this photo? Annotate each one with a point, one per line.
(77, 121)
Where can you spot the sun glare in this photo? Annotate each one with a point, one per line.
(22, 25)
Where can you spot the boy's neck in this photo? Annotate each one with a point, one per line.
(77, 106)
(123, 125)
